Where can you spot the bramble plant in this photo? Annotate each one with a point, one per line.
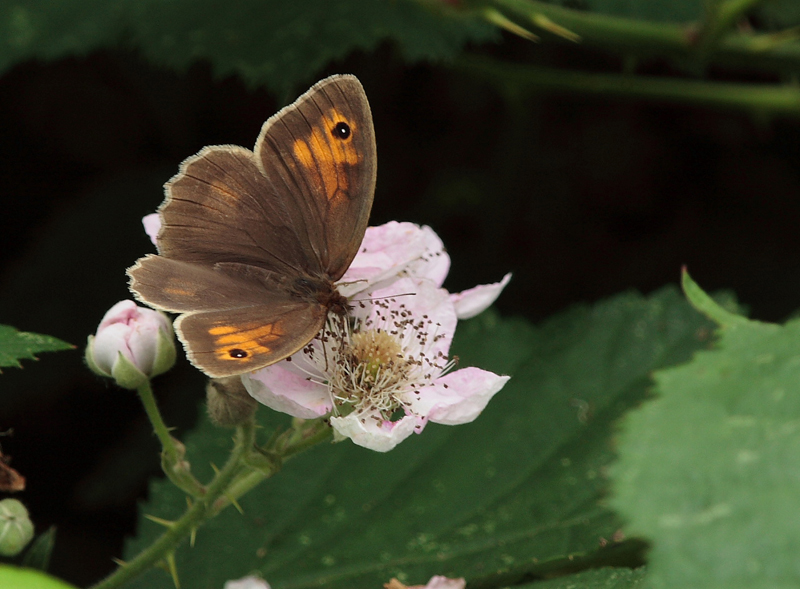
(640, 441)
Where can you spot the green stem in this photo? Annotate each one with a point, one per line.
(172, 452)
(761, 99)
(249, 480)
(628, 36)
(195, 515)
(159, 427)
(723, 19)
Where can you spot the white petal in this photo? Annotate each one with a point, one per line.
(435, 264)
(152, 225)
(474, 301)
(287, 392)
(108, 343)
(440, 582)
(367, 431)
(256, 583)
(457, 397)
(394, 249)
(429, 304)
(122, 312)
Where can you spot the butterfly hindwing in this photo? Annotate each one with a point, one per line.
(224, 343)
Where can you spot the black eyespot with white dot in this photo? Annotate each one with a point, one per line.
(237, 353)
(341, 130)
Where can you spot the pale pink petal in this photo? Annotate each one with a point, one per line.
(142, 342)
(256, 583)
(288, 392)
(152, 225)
(473, 301)
(440, 582)
(366, 431)
(457, 397)
(122, 312)
(393, 249)
(435, 264)
(426, 303)
(108, 344)
(131, 330)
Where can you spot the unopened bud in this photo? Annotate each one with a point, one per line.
(229, 403)
(132, 345)
(16, 529)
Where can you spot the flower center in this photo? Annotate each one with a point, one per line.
(371, 371)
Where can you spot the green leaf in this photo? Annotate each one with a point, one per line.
(606, 578)
(20, 345)
(682, 11)
(12, 577)
(516, 492)
(780, 14)
(708, 470)
(282, 45)
(37, 556)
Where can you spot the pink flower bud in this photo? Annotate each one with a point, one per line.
(132, 345)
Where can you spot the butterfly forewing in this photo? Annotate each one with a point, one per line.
(321, 151)
(251, 242)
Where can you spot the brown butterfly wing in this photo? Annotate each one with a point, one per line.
(236, 317)
(233, 341)
(300, 204)
(221, 207)
(320, 154)
(249, 228)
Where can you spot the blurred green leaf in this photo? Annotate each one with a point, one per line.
(708, 471)
(514, 492)
(20, 345)
(683, 11)
(12, 577)
(37, 556)
(607, 578)
(672, 11)
(779, 14)
(281, 45)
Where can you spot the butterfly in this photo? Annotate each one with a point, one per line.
(252, 242)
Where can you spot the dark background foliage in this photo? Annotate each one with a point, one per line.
(580, 197)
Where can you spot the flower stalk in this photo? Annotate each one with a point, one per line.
(232, 481)
(172, 451)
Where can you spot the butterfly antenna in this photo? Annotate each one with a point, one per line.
(405, 294)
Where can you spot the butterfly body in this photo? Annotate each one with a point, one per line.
(252, 242)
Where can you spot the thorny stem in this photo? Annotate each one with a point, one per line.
(250, 479)
(759, 99)
(172, 451)
(230, 483)
(641, 38)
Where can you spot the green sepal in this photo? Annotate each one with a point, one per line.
(89, 357)
(126, 374)
(165, 352)
(38, 554)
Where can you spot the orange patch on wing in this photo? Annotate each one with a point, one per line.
(182, 292)
(326, 156)
(252, 340)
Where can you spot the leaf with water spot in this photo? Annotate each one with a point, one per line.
(708, 470)
(605, 578)
(517, 492)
